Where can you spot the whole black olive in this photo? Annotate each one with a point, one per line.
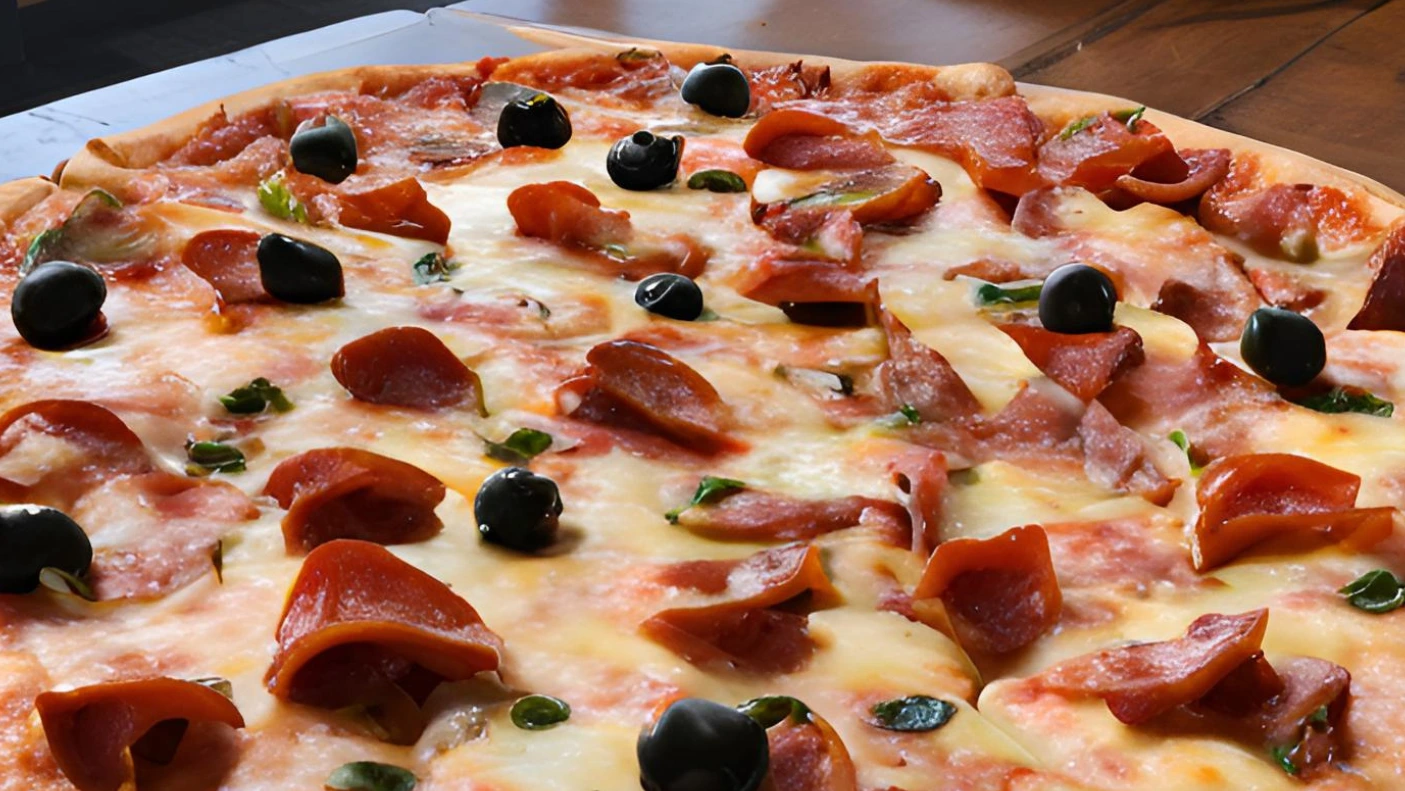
(33, 538)
(1284, 347)
(58, 305)
(698, 745)
(538, 120)
(327, 151)
(718, 89)
(518, 509)
(300, 272)
(670, 295)
(1077, 299)
(643, 161)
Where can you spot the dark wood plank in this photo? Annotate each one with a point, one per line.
(11, 39)
(1188, 56)
(1344, 101)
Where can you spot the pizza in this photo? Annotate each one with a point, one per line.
(636, 413)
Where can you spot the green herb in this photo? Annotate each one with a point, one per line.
(61, 581)
(519, 447)
(616, 251)
(1130, 117)
(716, 181)
(1180, 440)
(836, 197)
(371, 776)
(220, 685)
(278, 200)
(539, 712)
(255, 397)
(1283, 755)
(1318, 717)
(56, 243)
(910, 412)
(208, 457)
(1348, 399)
(217, 560)
(433, 268)
(43, 248)
(1376, 592)
(770, 710)
(1078, 126)
(991, 294)
(913, 714)
(709, 489)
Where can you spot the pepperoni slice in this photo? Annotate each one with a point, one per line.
(738, 622)
(637, 386)
(91, 729)
(333, 493)
(998, 594)
(780, 281)
(406, 366)
(1139, 682)
(801, 140)
(818, 233)
(1116, 457)
(1097, 156)
(400, 208)
(228, 260)
(919, 377)
(757, 516)
(1177, 176)
(706, 154)
(362, 627)
(1248, 499)
(1384, 308)
(892, 193)
(1082, 364)
(808, 755)
(102, 445)
(1292, 719)
(921, 474)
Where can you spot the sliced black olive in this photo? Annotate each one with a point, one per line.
(518, 509)
(827, 314)
(538, 120)
(1284, 347)
(670, 295)
(58, 305)
(300, 272)
(1077, 299)
(327, 151)
(698, 745)
(644, 161)
(33, 538)
(718, 89)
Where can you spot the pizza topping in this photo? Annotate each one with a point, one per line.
(1348, 399)
(919, 377)
(228, 260)
(891, 193)
(400, 208)
(520, 447)
(58, 306)
(255, 398)
(1083, 364)
(1375, 592)
(407, 367)
(518, 509)
(333, 493)
(699, 744)
(912, 714)
(744, 620)
(717, 89)
(991, 294)
(106, 448)
(1176, 177)
(670, 295)
(997, 595)
(1116, 457)
(1248, 499)
(637, 386)
(820, 293)
(643, 161)
(710, 489)
(539, 712)
(205, 457)
(1284, 347)
(806, 752)
(327, 151)
(299, 272)
(801, 140)
(94, 732)
(1096, 155)
(1302, 724)
(279, 201)
(100, 231)
(34, 539)
(1077, 299)
(370, 776)
(364, 628)
(537, 120)
(723, 512)
(716, 180)
(1384, 307)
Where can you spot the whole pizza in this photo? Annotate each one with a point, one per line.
(651, 414)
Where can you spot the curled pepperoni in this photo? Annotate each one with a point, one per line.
(406, 366)
(779, 282)
(997, 594)
(808, 755)
(637, 386)
(1248, 499)
(921, 474)
(91, 729)
(401, 208)
(1176, 176)
(819, 233)
(333, 493)
(1294, 718)
(1384, 308)
(228, 260)
(1098, 155)
(892, 193)
(757, 516)
(103, 448)
(1116, 457)
(801, 140)
(362, 627)
(919, 377)
(1082, 364)
(738, 622)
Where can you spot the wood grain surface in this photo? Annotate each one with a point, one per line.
(1325, 77)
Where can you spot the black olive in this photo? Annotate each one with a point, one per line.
(643, 161)
(518, 509)
(538, 120)
(698, 745)
(58, 305)
(669, 295)
(296, 271)
(1284, 347)
(1076, 299)
(33, 538)
(718, 89)
(327, 151)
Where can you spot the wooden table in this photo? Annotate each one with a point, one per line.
(1325, 77)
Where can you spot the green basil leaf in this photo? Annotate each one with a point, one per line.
(1348, 399)
(1376, 592)
(55, 243)
(991, 294)
(43, 248)
(616, 251)
(520, 446)
(910, 413)
(716, 181)
(433, 268)
(539, 712)
(255, 397)
(1318, 717)
(1283, 756)
(1130, 117)
(371, 776)
(709, 489)
(278, 200)
(913, 714)
(1180, 440)
(207, 457)
(1078, 126)
(770, 710)
(56, 579)
(220, 685)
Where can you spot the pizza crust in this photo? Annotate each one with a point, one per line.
(18, 197)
